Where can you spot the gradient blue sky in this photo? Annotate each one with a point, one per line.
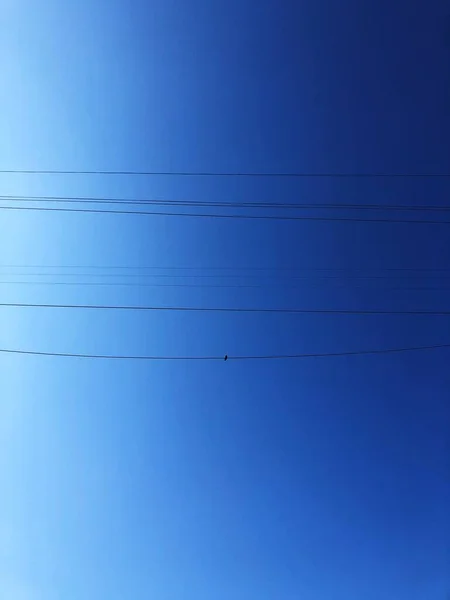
(318, 480)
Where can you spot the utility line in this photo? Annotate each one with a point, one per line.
(217, 173)
(221, 204)
(224, 216)
(275, 277)
(226, 357)
(237, 268)
(140, 284)
(316, 311)
(213, 285)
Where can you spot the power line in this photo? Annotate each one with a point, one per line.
(226, 357)
(317, 311)
(236, 268)
(221, 204)
(282, 276)
(224, 216)
(140, 284)
(218, 173)
(213, 285)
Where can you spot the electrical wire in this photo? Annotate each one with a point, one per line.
(237, 268)
(210, 204)
(310, 311)
(216, 173)
(224, 216)
(304, 277)
(213, 285)
(226, 357)
(139, 284)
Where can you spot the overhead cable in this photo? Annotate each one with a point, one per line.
(226, 357)
(229, 204)
(296, 174)
(222, 309)
(225, 216)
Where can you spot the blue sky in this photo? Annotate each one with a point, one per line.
(316, 479)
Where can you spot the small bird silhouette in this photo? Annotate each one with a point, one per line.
(226, 357)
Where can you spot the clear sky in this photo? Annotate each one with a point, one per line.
(320, 479)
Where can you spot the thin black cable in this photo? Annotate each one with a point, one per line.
(275, 277)
(237, 268)
(226, 357)
(223, 216)
(140, 284)
(310, 311)
(221, 204)
(216, 173)
(213, 285)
